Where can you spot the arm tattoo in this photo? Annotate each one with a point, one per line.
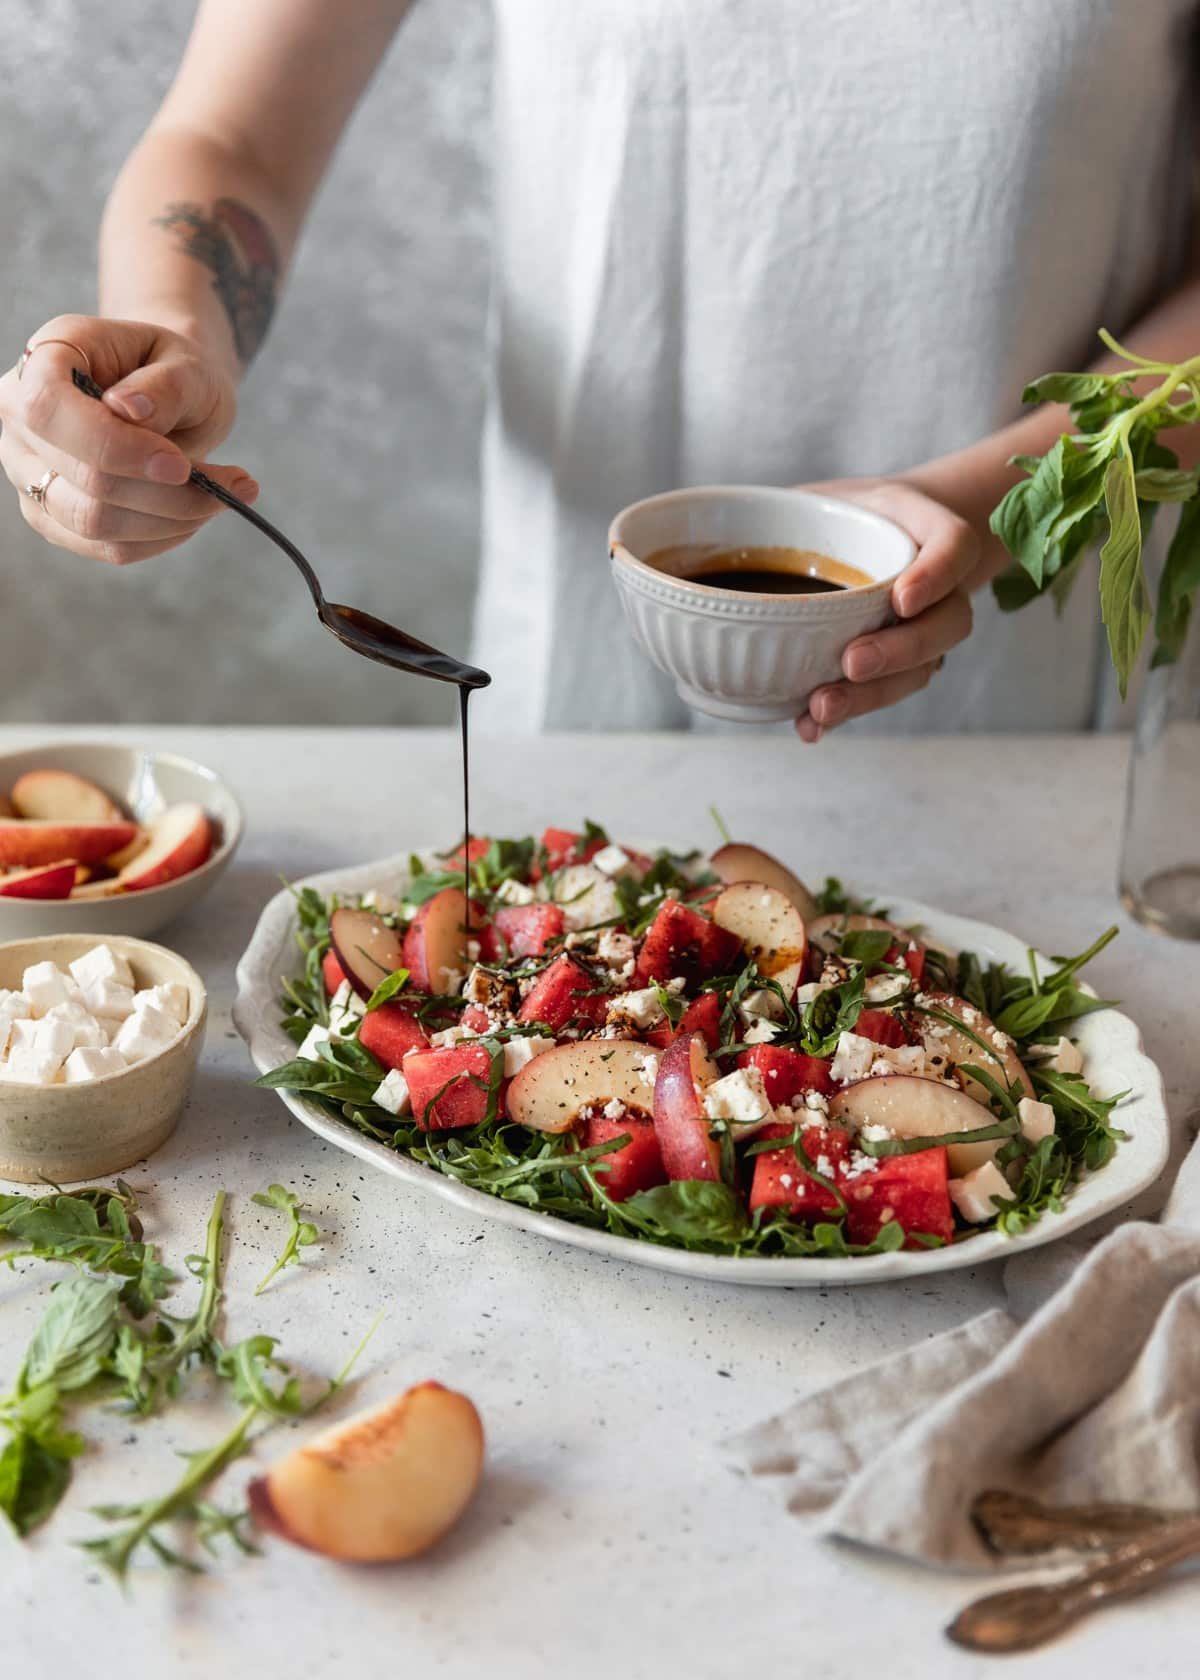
(236, 245)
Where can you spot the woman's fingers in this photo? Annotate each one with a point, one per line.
(70, 518)
(842, 701)
(183, 503)
(905, 646)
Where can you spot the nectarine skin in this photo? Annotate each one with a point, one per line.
(679, 1119)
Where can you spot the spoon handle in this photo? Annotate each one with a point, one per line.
(1025, 1617)
(85, 383)
(1016, 1526)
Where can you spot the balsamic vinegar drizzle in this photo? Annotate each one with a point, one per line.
(371, 637)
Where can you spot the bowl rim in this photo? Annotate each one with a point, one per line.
(622, 555)
(216, 860)
(187, 1031)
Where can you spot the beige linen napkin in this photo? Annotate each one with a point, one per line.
(1096, 1395)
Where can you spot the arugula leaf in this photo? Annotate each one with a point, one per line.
(301, 1232)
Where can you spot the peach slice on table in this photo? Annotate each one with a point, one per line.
(366, 948)
(382, 1486)
(736, 862)
(435, 946)
(917, 1108)
(551, 1093)
(52, 880)
(31, 843)
(769, 926)
(180, 841)
(1000, 1059)
(62, 796)
(683, 1128)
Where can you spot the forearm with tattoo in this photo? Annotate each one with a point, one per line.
(236, 245)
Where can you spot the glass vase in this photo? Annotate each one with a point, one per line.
(1160, 852)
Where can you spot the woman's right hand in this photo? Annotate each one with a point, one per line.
(120, 492)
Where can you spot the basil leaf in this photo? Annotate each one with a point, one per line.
(74, 1335)
(692, 1210)
(1180, 579)
(867, 945)
(1065, 387)
(33, 1478)
(1166, 484)
(1124, 605)
(880, 1148)
(387, 989)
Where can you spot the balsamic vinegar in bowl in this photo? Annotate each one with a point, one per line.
(767, 570)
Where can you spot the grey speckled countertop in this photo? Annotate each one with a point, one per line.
(609, 1539)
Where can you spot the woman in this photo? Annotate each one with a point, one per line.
(775, 241)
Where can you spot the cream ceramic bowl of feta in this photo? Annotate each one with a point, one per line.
(134, 1013)
(754, 658)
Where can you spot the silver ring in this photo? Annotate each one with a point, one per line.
(37, 492)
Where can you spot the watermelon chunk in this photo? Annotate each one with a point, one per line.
(563, 846)
(637, 1166)
(449, 1086)
(521, 930)
(681, 943)
(882, 1028)
(788, 1073)
(390, 1033)
(781, 1182)
(911, 1189)
(703, 1015)
(333, 971)
(564, 994)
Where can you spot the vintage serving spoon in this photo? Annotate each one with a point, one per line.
(361, 631)
(1140, 1545)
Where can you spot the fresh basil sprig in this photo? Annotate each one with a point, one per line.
(1106, 482)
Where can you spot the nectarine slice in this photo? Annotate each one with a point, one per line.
(62, 796)
(913, 1108)
(1000, 1059)
(30, 844)
(384, 1485)
(54, 880)
(770, 927)
(551, 1092)
(826, 931)
(683, 1128)
(736, 862)
(180, 841)
(366, 948)
(435, 946)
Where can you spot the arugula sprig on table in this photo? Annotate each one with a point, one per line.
(1107, 481)
(301, 1233)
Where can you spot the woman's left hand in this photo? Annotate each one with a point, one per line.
(929, 598)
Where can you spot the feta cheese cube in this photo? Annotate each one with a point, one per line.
(761, 1031)
(309, 1051)
(1037, 1119)
(171, 996)
(494, 992)
(109, 999)
(810, 991)
(648, 1069)
(612, 860)
(586, 896)
(92, 1062)
(44, 985)
(101, 963)
(901, 1058)
(519, 1052)
(882, 988)
(761, 1004)
(853, 1058)
(452, 1035)
(739, 1098)
(1062, 1057)
(145, 1033)
(346, 1009)
(973, 1194)
(383, 904)
(37, 1050)
(515, 892)
(393, 1095)
(635, 1009)
(87, 1031)
(615, 948)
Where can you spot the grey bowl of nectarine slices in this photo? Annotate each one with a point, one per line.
(102, 837)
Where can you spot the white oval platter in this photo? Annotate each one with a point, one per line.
(1114, 1061)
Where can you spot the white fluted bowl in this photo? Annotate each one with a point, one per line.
(736, 654)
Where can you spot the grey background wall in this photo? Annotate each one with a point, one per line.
(360, 418)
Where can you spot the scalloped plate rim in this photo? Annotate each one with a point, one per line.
(1111, 1042)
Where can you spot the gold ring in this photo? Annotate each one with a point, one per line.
(70, 344)
(37, 492)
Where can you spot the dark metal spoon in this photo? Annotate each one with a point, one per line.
(365, 634)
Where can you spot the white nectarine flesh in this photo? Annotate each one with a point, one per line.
(770, 927)
(1000, 1060)
(551, 1092)
(180, 841)
(737, 862)
(912, 1108)
(435, 946)
(62, 796)
(384, 1485)
(367, 949)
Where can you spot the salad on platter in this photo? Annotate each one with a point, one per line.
(694, 1051)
